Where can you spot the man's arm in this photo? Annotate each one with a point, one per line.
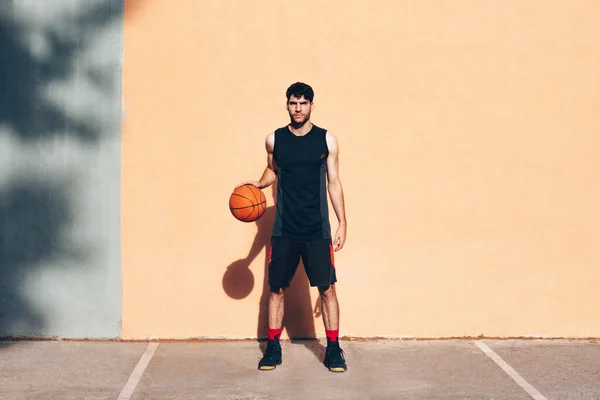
(269, 175)
(336, 193)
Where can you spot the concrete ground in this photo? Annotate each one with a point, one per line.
(383, 369)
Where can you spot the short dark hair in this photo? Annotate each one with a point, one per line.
(300, 89)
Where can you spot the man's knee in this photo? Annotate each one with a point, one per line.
(277, 290)
(327, 291)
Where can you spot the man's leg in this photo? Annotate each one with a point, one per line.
(331, 311)
(276, 303)
(272, 356)
(283, 260)
(334, 355)
(320, 268)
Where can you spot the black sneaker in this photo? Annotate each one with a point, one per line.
(272, 356)
(334, 357)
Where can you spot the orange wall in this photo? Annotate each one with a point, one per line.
(469, 140)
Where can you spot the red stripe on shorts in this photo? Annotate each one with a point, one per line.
(331, 255)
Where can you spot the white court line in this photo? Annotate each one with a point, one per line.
(510, 371)
(138, 371)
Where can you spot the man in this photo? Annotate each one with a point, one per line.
(303, 158)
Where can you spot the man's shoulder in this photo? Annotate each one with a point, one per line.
(281, 129)
(318, 128)
(331, 140)
(273, 135)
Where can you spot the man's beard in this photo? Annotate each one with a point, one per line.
(301, 122)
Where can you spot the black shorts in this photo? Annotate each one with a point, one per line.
(317, 257)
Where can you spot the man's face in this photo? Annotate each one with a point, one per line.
(299, 109)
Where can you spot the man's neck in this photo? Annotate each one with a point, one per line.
(300, 130)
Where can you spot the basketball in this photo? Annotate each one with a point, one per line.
(247, 203)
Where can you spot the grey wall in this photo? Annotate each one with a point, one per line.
(60, 113)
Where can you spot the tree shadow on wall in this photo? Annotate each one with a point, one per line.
(299, 316)
(35, 221)
(36, 57)
(44, 61)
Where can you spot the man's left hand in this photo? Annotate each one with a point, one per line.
(340, 237)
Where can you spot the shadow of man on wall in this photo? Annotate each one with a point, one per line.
(298, 319)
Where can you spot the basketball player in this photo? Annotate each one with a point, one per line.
(304, 158)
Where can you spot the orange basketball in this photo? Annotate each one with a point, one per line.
(247, 203)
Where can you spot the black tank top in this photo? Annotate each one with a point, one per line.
(302, 210)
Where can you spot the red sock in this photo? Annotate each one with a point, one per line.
(274, 333)
(332, 335)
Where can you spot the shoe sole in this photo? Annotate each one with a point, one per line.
(337, 369)
(269, 367)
